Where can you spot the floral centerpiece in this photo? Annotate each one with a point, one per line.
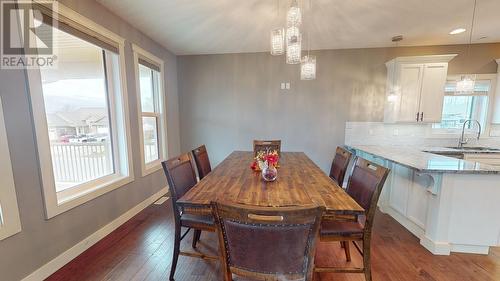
(267, 162)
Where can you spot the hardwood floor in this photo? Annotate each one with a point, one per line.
(141, 249)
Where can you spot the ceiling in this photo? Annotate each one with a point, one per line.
(237, 26)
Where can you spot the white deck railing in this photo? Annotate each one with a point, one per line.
(81, 162)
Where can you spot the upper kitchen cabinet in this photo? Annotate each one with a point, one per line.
(415, 89)
(496, 104)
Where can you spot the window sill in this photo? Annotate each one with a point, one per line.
(149, 168)
(6, 232)
(447, 133)
(68, 202)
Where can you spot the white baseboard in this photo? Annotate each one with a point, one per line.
(436, 248)
(414, 228)
(61, 260)
(471, 249)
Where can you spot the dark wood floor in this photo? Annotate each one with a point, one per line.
(141, 250)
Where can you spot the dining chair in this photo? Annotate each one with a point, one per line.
(265, 145)
(267, 243)
(339, 165)
(364, 186)
(181, 178)
(202, 161)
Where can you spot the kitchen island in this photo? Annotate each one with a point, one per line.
(450, 204)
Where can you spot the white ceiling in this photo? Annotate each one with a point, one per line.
(236, 26)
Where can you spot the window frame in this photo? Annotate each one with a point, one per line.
(10, 222)
(446, 132)
(119, 122)
(160, 106)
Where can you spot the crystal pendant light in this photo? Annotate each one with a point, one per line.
(277, 41)
(293, 45)
(465, 85)
(395, 90)
(293, 16)
(467, 82)
(293, 52)
(308, 68)
(292, 35)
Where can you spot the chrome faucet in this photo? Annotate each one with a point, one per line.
(463, 141)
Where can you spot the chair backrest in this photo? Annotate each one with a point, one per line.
(267, 243)
(202, 161)
(339, 165)
(365, 185)
(180, 176)
(265, 145)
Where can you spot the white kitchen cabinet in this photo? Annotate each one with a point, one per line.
(432, 95)
(410, 81)
(398, 195)
(415, 89)
(418, 199)
(408, 194)
(449, 210)
(496, 101)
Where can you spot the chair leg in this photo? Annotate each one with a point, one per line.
(175, 256)
(347, 250)
(367, 267)
(196, 237)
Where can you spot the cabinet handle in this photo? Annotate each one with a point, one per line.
(418, 116)
(422, 117)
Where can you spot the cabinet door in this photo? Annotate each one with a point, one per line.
(417, 199)
(410, 78)
(402, 179)
(496, 103)
(432, 95)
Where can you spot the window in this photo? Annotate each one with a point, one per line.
(81, 129)
(9, 213)
(77, 111)
(459, 108)
(149, 77)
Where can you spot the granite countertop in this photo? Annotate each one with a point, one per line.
(424, 162)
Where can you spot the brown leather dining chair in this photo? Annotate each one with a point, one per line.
(339, 165)
(364, 186)
(266, 243)
(181, 178)
(202, 161)
(265, 145)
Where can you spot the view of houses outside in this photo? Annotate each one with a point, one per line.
(459, 108)
(76, 104)
(77, 112)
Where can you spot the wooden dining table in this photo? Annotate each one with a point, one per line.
(300, 183)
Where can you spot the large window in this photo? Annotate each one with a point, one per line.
(149, 77)
(76, 102)
(80, 115)
(9, 213)
(459, 108)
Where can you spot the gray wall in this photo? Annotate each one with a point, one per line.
(42, 240)
(228, 100)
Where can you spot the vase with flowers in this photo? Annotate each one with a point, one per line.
(266, 162)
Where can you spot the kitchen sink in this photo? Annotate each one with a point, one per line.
(480, 148)
(453, 154)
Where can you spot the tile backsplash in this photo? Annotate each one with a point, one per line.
(379, 133)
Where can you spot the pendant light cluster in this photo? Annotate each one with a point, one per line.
(288, 41)
(467, 83)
